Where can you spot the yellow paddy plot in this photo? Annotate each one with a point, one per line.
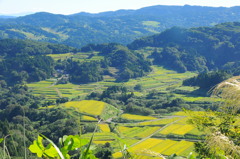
(147, 155)
(104, 127)
(145, 145)
(88, 118)
(170, 129)
(137, 117)
(87, 106)
(180, 113)
(137, 132)
(162, 146)
(117, 155)
(102, 142)
(178, 148)
(41, 84)
(124, 129)
(183, 130)
(100, 136)
(158, 122)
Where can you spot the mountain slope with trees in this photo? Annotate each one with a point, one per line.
(121, 26)
(196, 49)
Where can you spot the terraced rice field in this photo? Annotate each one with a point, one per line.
(50, 91)
(184, 129)
(195, 98)
(163, 145)
(147, 144)
(157, 122)
(137, 132)
(102, 141)
(104, 127)
(140, 148)
(136, 117)
(101, 136)
(170, 129)
(177, 147)
(160, 79)
(80, 56)
(87, 106)
(93, 108)
(88, 118)
(195, 132)
(60, 56)
(177, 129)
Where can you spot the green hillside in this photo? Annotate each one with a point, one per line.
(121, 26)
(159, 95)
(196, 49)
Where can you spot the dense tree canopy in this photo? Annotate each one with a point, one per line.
(196, 49)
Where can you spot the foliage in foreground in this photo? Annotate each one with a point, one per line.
(223, 135)
(67, 144)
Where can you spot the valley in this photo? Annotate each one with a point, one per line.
(125, 84)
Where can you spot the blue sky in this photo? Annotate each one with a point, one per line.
(94, 6)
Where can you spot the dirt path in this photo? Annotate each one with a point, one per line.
(157, 131)
(58, 92)
(165, 117)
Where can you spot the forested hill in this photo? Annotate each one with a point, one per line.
(121, 26)
(12, 47)
(196, 49)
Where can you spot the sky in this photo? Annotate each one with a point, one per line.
(14, 7)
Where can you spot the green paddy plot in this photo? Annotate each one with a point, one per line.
(80, 56)
(137, 117)
(137, 132)
(50, 90)
(46, 83)
(151, 23)
(60, 56)
(160, 78)
(101, 136)
(192, 98)
(158, 122)
(195, 132)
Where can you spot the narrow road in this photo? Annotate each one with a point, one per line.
(165, 117)
(58, 92)
(156, 132)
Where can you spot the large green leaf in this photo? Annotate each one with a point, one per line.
(56, 148)
(37, 147)
(51, 151)
(1, 140)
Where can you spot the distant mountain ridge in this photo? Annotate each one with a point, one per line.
(122, 26)
(6, 16)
